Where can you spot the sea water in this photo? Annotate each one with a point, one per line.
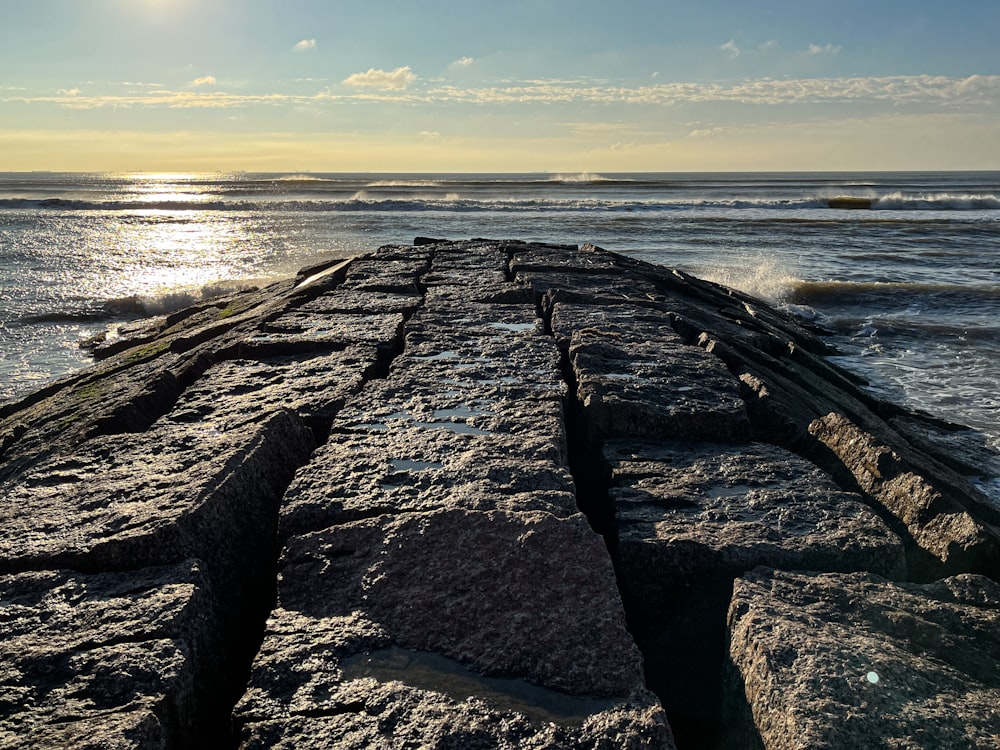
(907, 280)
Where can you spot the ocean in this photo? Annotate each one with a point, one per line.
(902, 268)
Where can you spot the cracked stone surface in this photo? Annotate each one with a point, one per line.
(409, 437)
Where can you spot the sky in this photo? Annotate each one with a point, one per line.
(511, 86)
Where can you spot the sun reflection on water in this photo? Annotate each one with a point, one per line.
(156, 251)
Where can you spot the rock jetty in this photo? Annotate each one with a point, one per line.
(489, 494)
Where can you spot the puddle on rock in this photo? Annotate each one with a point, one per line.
(428, 671)
(459, 427)
(517, 327)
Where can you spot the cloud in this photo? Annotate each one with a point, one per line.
(304, 45)
(429, 134)
(204, 81)
(706, 132)
(463, 62)
(399, 79)
(827, 49)
(972, 93)
(730, 48)
(767, 46)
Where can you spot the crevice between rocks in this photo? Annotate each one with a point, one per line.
(683, 635)
(263, 592)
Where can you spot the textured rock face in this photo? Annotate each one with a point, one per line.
(636, 377)
(129, 501)
(107, 660)
(690, 511)
(350, 505)
(853, 660)
(506, 593)
(937, 521)
(691, 517)
(514, 595)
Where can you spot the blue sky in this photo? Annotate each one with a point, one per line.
(546, 85)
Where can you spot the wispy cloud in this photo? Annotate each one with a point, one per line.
(400, 78)
(767, 46)
(730, 48)
(815, 50)
(305, 45)
(973, 92)
(463, 62)
(204, 81)
(705, 132)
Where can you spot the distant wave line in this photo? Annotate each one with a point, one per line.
(363, 200)
(867, 292)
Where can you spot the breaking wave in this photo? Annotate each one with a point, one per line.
(134, 305)
(367, 198)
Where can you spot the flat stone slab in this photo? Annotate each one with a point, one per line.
(572, 258)
(854, 660)
(460, 597)
(476, 319)
(353, 302)
(687, 511)
(656, 390)
(236, 392)
(627, 325)
(587, 288)
(465, 394)
(127, 501)
(637, 378)
(409, 468)
(298, 331)
(395, 272)
(111, 660)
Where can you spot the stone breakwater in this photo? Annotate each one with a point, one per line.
(489, 494)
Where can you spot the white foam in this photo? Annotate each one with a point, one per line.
(760, 277)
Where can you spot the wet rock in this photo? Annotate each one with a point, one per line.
(520, 596)
(345, 302)
(106, 402)
(792, 403)
(854, 660)
(395, 273)
(643, 381)
(544, 257)
(127, 660)
(297, 332)
(656, 392)
(573, 287)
